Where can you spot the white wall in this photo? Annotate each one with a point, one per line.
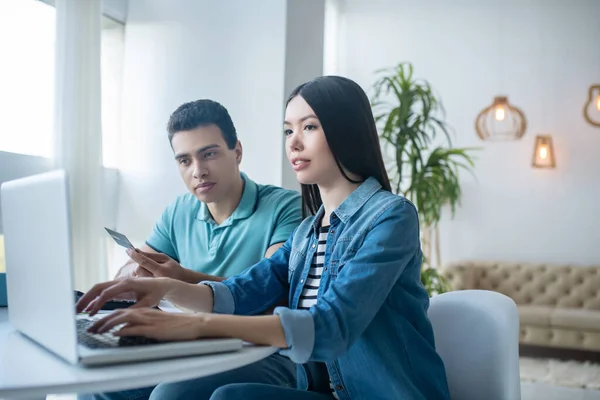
(178, 51)
(543, 54)
(305, 22)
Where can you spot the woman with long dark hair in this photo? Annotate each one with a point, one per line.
(357, 321)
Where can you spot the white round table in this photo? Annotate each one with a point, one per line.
(27, 371)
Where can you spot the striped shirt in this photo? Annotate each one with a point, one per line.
(308, 297)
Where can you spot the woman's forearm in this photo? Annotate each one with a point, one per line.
(193, 297)
(263, 330)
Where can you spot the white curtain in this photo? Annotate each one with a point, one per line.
(78, 131)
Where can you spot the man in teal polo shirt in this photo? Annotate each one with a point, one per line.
(224, 225)
(227, 222)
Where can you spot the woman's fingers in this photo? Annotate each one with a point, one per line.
(97, 325)
(113, 319)
(88, 297)
(135, 330)
(146, 322)
(90, 306)
(111, 292)
(143, 302)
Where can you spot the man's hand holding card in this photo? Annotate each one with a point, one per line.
(149, 265)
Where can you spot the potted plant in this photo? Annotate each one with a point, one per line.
(409, 117)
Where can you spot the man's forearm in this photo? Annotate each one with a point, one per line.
(191, 276)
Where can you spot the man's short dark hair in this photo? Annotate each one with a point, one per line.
(198, 113)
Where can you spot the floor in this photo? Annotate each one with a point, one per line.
(545, 391)
(529, 391)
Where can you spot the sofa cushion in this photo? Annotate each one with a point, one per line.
(569, 318)
(560, 337)
(535, 315)
(576, 319)
(565, 286)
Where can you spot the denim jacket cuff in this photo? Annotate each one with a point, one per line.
(299, 329)
(222, 298)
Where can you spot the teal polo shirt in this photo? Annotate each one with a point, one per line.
(187, 232)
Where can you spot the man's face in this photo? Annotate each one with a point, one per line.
(208, 167)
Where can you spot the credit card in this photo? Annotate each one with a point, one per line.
(120, 239)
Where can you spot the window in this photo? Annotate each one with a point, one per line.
(27, 45)
(27, 76)
(113, 39)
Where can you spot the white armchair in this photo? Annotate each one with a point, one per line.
(477, 335)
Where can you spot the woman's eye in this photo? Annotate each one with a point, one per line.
(287, 132)
(310, 127)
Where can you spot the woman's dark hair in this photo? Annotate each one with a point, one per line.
(347, 120)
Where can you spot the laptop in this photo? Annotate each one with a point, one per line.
(36, 220)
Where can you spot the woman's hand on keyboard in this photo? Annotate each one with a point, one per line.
(147, 292)
(151, 323)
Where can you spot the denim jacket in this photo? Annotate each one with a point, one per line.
(369, 325)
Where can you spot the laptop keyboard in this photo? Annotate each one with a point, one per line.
(107, 340)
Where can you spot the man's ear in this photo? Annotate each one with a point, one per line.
(239, 151)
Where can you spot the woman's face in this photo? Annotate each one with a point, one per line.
(306, 146)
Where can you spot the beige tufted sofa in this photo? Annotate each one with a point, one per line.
(559, 306)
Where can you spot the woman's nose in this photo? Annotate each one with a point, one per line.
(295, 143)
